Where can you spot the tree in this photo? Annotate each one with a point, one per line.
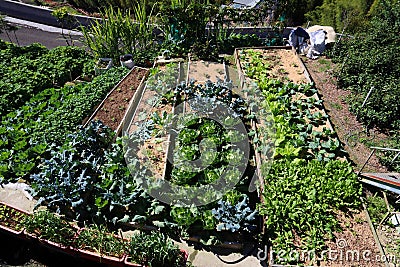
(341, 14)
(294, 10)
(66, 21)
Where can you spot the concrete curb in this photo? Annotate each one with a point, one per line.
(39, 14)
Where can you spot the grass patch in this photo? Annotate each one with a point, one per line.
(376, 208)
(336, 105)
(325, 65)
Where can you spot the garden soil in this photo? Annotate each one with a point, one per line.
(114, 107)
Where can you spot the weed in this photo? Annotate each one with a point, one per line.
(336, 106)
(377, 208)
(359, 220)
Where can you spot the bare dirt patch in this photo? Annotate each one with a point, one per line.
(113, 108)
(355, 245)
(285, 65)
(202, 71)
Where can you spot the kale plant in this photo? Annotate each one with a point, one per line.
(67, 180)
(233, 217)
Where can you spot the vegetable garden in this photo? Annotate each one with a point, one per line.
(83, 174)
(151, 150)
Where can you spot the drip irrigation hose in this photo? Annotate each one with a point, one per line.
(207, 248)
(240, 259)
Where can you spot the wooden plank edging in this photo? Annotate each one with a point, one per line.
(130, 106)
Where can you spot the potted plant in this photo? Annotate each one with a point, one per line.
(11, 218)
(154, 249)
(102, 65)
(127, 61)
(95, 243)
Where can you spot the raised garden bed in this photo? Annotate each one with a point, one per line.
(284, 65)
(10, 219)
(93, 243)
(97, 245)
(148, 125)
(113, 108)
(280, 63)
(307, 150)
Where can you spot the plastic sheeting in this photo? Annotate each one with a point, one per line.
(331, 34)
(317, 43)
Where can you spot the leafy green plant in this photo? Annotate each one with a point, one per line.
(185, 216)
(72, 169)
(234, 217)
(49, 226)
(303, 196)
(11, 218)
(376, 208)
(154, 249)
(98, 239)
(30, 70)
(235, 40)
(87, 180)
(119, 199)
(295, 121)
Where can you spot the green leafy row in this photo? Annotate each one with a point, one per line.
(26, 71)
(301, 199)
(28, 132)
(306, 184)
(301, 129)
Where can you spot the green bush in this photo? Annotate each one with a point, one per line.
(350, 16)
(372, 60)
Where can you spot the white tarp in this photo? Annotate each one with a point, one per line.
(317, 43)
(317, 40)
(331, 34)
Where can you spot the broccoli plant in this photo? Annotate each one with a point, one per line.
(233, 217)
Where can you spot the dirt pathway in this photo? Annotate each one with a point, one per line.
(344, 121)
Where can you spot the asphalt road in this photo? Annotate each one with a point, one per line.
(29, 33)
